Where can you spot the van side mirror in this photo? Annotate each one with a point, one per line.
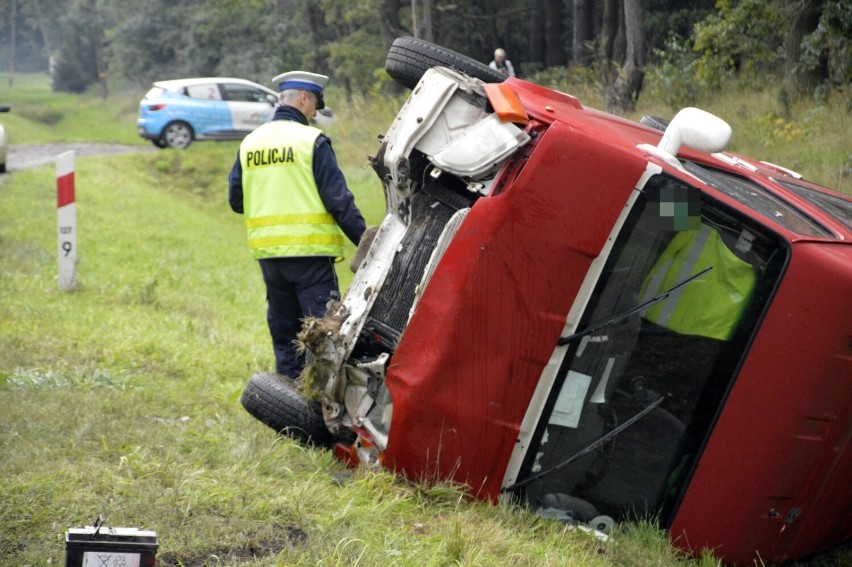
(697, 129)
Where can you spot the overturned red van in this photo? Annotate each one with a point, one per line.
(594, 317)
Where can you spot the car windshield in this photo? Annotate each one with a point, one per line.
(757, 198)
(835, 205)
(670, 361)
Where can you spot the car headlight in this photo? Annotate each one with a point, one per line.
(480, 148)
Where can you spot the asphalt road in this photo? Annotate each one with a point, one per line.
(25, 156)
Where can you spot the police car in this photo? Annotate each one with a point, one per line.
(596, 318)
(174, 113)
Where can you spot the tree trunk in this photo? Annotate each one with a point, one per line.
(389, 22)
(583, 33)
(805, 16)
(609, 29)
(427, 34)
(606, 49)
(619, 47)
(622, 57)
(632, 75)
(554, 43)
(536, 37)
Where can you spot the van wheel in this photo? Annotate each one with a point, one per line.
(273, 400)
(158, 142)
(655, 122)
(409, 58)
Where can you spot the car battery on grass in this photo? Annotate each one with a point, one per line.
(101, 546)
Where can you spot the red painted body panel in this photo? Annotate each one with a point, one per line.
(468, 363)
(781, 442)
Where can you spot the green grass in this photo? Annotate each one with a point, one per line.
(38, 115)
(121, 397)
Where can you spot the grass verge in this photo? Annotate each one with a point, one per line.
(38, 115)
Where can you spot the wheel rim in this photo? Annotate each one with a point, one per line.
(177, 136)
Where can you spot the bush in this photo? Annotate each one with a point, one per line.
(77, 64)
(741, 37)
(830, 42)
(673, 79)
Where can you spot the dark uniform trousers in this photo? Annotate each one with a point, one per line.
(295, 288)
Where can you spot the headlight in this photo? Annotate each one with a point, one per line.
(480, 148)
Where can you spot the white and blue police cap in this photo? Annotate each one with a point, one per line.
(303, 81)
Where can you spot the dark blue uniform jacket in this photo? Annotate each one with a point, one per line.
(334, 193)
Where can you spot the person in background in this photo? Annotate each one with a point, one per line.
(298, 212)
(502, 64)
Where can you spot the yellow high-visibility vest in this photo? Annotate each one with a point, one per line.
(710, 306)
(285, 216)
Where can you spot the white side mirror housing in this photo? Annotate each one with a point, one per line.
(697, 129)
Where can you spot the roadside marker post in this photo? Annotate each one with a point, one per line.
(66, 216)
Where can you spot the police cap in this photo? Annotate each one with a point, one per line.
(303, 81)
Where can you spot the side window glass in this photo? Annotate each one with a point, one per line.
(661, 339)
(244, 93)
(208, 91)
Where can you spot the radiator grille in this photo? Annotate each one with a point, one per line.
(431, 209)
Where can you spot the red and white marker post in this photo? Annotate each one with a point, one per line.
(66, 221)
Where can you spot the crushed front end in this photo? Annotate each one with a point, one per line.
(496, 212)
(441, 154)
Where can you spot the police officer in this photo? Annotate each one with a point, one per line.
(298, 211)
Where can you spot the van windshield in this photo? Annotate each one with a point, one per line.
(673, 361)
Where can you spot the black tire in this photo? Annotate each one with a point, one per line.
(177, 135)
(655, 122)
(409, 58)
(2, 168)
(158, 142)
(273, 401)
